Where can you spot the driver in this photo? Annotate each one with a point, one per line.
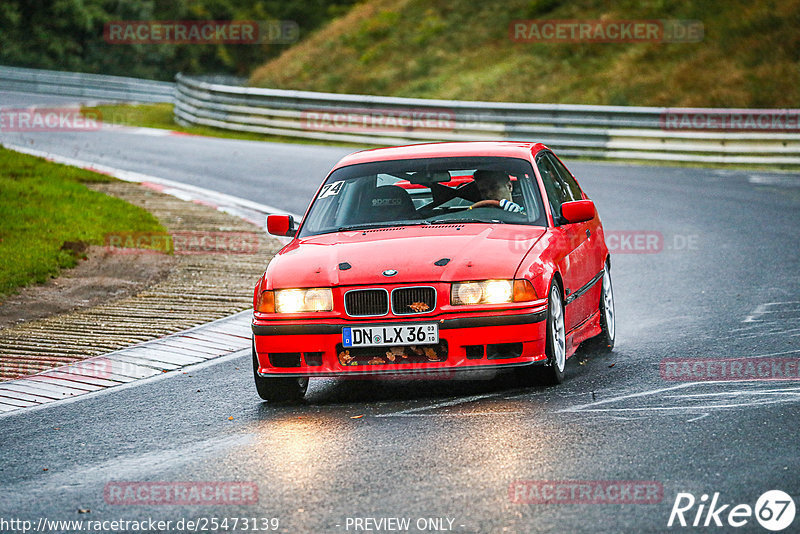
(495, 189)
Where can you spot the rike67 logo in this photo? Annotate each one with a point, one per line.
(774, 510)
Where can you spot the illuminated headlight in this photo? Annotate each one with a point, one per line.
(303, 300)
(497, 291)
(483, 292)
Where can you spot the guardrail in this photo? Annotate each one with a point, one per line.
(619, 132)
(85, 86)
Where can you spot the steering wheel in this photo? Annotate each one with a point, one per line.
(486, 204)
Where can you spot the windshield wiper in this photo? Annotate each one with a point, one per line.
(367, 226)
(456, 221)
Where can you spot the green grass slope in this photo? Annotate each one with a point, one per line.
(44, 205)
(749, 57)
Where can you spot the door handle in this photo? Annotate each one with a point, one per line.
(588, 233)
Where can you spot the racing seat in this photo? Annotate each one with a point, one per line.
(387, 203)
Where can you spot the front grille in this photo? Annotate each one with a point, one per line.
(366, 302)
(412, 300)
(412, 354)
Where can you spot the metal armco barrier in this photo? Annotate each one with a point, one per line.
(85, 86)
(771, 137)
(618, 132)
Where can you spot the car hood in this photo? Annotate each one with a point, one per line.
(475, 252)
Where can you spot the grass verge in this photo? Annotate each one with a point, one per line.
(48, 216)
(746, 57)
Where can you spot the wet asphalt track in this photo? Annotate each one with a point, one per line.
(724, 285)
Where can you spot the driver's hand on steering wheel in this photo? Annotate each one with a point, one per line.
(508, 205)
(503, 204)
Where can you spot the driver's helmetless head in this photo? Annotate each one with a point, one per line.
(493, 185)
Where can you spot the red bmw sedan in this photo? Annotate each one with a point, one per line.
(433, 257)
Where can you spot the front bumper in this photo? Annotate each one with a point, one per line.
(467, 341)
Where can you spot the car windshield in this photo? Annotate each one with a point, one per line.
(426, 191)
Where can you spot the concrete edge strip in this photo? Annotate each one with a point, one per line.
(122, 367)
(7, 410)
(130, 365)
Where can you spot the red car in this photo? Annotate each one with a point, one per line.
(432, 257)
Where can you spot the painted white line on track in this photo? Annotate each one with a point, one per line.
(584, 407)
(139, 130)
(749, 389)
(782, 391)
(770, 333)
(786, 180)
(781, 353)
(687, 408)
(469, 414)
(444, 404)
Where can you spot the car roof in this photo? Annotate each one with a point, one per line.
(511, 149)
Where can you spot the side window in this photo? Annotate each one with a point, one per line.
(557, 191)
(566, 178)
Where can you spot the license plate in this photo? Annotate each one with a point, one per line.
(390, 335)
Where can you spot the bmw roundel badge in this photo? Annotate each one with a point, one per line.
(389, 272)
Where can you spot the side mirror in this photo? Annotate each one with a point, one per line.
(578, 211)
(281, 225)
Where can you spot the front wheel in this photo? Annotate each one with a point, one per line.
(278, 389)
(556, 348)
(604, 341)
(552, 372)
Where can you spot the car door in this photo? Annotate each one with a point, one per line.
(575, 264)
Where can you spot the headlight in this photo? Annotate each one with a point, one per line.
(466, 293)
(303, 300)
(497, 291)
(491, 292)
(484, 292)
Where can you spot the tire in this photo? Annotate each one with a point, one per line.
(552, 372)
(556, 349)
(604, 341)
(278, 389)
